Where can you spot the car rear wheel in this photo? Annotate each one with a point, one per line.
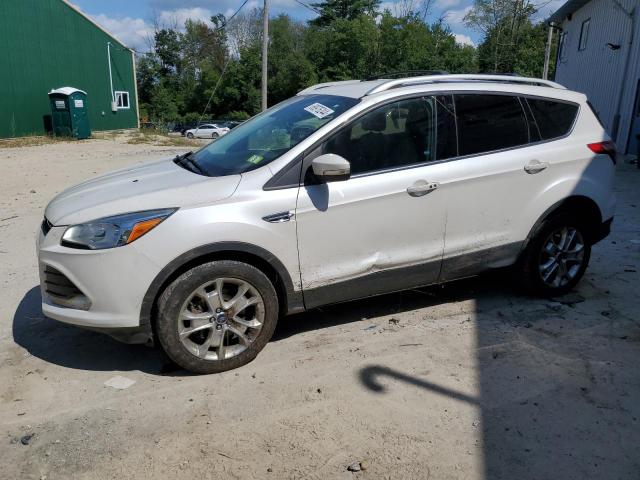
(557, 256)
(189, 135)
(217, 316)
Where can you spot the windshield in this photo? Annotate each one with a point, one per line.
(270, 134)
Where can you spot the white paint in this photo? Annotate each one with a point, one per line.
(341, 230)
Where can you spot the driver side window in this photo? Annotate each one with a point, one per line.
(395, 135)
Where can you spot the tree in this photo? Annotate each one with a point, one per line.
(345, 49)
(350, 40)
(167, 47)
(289, 69)
(502, 23)
(332, 10)
(244, 30)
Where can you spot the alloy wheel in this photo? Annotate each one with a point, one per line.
(221, 318)
(562, 257)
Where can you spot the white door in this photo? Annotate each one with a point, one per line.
(204, 131)
(493, 190)
(383, 229)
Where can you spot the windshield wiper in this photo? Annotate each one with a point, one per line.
(186, 162)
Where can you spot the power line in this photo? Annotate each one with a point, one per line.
(226, 63)
(235, 13)
(224, 69)
(306, 5)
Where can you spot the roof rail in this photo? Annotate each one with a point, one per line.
(405, 74)
(320, 86)
(407, 82)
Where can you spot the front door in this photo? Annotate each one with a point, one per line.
(383, 229)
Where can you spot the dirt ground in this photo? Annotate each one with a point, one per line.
(467, 381)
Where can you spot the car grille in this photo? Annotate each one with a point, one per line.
(63, 291)
(46, 226)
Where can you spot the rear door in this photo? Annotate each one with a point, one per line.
(383, 229)
(502, 172)
(487, 185)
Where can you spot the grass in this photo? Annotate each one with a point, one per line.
(31, 141)
(107, 135)
(153, 137)
(132, 137)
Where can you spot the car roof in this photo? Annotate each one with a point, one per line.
(378, 88)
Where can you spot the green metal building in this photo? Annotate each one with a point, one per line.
(49, 44)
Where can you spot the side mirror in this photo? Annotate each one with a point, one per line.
(331, 168)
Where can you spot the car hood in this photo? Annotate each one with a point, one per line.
(161, 184)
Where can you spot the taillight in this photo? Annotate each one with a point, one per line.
(605, 148)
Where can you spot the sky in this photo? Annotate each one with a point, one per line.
(131, 21)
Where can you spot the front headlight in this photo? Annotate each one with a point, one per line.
(113, 231)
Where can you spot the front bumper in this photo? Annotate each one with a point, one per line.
(107, 286)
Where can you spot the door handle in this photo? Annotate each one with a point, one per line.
(421, 188)
(535, 166)
(279, 217)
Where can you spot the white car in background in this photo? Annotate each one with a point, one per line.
(208, 130)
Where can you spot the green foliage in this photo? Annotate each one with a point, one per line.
(332, 10)
(289, 69)
(351, 39)
(512, 42)
(410, 44)
(235, 115)
(345, 49)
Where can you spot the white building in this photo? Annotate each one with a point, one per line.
(599, 54)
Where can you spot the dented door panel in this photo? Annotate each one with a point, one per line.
(369, 224)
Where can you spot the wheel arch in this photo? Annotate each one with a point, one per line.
(585, 208)
(290, 300)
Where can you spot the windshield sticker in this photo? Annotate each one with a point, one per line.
(255, 159)
(319, 110)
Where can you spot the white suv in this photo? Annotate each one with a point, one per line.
(347, 190)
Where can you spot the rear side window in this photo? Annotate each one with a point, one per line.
(553, 119)
(489, 122)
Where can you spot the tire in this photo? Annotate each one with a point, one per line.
(538, 269)
(190, 135)
(214, 135)
(199, 350)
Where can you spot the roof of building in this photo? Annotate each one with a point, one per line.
(567, 9)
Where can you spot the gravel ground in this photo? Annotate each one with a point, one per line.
(466, 381)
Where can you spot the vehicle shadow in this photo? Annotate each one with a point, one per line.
(76, 348)
(381, 305)
(73, 347)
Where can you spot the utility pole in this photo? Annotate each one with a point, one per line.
(265, 49)
(547, 53)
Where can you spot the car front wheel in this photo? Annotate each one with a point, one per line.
(189, 135)
(214, 135)
(557, 256)
(217, 316)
